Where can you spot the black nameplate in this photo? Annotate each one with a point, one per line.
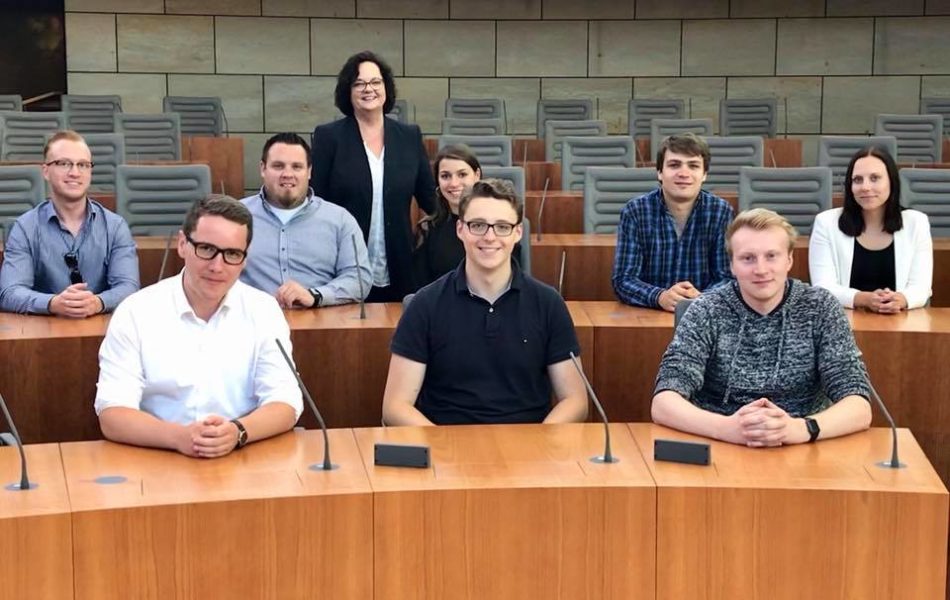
(402, 455)
(693, 453)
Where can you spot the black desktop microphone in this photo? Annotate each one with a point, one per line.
(168, 246)
(24, 478)
(327, 465)
(544, 196)
(359, 276)
(607, 456)
(894, 462)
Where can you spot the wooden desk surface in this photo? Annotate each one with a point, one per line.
(35, 526)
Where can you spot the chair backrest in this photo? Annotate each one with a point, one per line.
(579, 109)
(679, 310)
(919, 137)
(524, 257)
(491, 150)
(475, 108)
(740, 116)
(835, 152)
(514, 175)
(24, 133)
(150, 137)
(608, 189)
(91, 114)
(556, 131)
(200, 115)
(660, 129)
(937, 106)
(457, 126)
(403, 111)
(154, 199)
(727, 155)
(108, 152)
(11, 102)
(21, 188)
(798, 194)
(640, 111)
(580, 153)
(928, 190)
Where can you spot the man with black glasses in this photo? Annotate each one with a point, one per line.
(191, 363)
(69, 256)
(485, 343)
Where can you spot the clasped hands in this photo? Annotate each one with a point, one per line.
(212, 437)
(761, 424)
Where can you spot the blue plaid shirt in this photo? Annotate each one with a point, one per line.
(650, 258)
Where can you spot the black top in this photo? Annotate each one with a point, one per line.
(341, 175)
(873, 269)
(485, 363)
(441, 251)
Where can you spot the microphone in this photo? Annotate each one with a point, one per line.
(636, 149)
(24, 478)
(772, 156)
(544, 196)
(327, 465)
(607, 456)
(359, 276)
(689, 104)
(168, 245)
(894, 462)
(560, 276)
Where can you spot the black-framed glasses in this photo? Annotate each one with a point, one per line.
(72, 263)
(67, 165)
(232, 256)
(501, 228)
(361, 85)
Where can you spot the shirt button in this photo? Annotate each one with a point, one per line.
(491, 310)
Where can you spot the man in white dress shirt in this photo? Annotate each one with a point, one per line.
(191, 363)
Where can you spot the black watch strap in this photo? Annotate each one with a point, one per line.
(242, 434)
(813, 429)
(317, 296)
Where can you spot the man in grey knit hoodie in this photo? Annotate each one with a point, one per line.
(767, 360)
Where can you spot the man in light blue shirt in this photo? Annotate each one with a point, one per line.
(69, 256)
(307, 252)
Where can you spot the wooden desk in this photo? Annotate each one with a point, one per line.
(35, 527)
(806, 521)
(527, 149)
(257, 523)
(537, 172)
(225, 158)
(563, 211)
(512, 511)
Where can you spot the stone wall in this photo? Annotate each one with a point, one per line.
(834, 64)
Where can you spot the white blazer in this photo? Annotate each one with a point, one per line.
(830, 253)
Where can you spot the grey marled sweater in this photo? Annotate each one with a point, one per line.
(801, 356)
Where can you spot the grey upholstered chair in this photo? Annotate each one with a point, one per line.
(514, 175)
(491, 150)
(200, 115)
(556, 131)
(11, 102)
(928, 190)
(660, 129)
(580, 153)
(727, 155)
(835, 152)
(937, 106)
(919, 137)
(23, 134)
(108, 152)
(470, 126)
(21, 188)
(91, 113)
(475, 108)
(150, 137)
(580, 109)
(403, 111)
(739, 116)
(154, 199)
(640, 111)
(608, 189)
(798, 194)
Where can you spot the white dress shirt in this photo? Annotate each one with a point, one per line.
(376, 243)
(159, 357)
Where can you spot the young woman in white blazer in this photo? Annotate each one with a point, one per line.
(871, 253)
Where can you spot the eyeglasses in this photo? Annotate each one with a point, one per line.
(500, 228)
(232, 256)
(72, 263)
(67, 165)
(361, 85)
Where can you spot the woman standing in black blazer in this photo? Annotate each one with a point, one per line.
(373, 166)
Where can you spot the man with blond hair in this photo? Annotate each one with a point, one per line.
(766, 360)
(69, 256)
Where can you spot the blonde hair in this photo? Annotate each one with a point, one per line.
(760, 219)
(65, 134)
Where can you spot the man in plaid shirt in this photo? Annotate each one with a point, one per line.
(671, 242)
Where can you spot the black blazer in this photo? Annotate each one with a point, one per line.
(341, 175)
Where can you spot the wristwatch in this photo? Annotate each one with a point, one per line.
(317, 296)
(242, 434)
(813, 429)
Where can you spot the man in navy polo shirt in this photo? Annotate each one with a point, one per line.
(485, 343)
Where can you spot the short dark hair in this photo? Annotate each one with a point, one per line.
(499, 189)
(219, 205)
(688, 144)
(349, 73)
(291, 139)
(851, 221)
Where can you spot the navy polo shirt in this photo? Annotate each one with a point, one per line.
(485, 363)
